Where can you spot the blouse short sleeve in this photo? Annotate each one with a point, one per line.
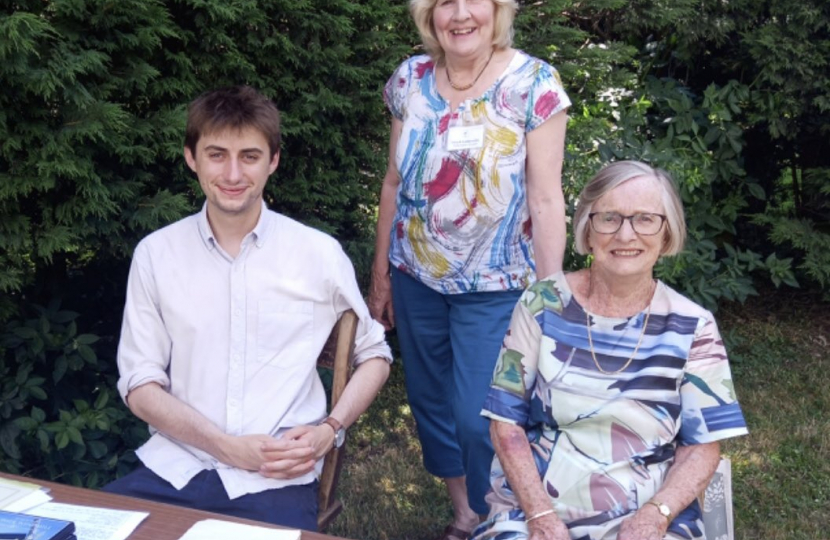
(532, 94)
(397, 87)
(514, 377)
(710, 410)
(547, 96)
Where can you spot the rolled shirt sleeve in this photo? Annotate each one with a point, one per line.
(144, 347)
(370, 340)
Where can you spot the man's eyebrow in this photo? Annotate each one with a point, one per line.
(215, 147)
(244, 150)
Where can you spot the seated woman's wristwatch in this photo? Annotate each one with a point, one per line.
(664, 510)
(339, 430)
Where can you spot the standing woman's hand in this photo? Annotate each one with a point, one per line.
(380, 299)
(380, 290)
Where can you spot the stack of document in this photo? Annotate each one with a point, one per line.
(21, 496)
(14, 526)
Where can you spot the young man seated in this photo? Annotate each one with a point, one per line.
(226, 313)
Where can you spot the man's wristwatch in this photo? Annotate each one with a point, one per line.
(664, 510)
(339, 430)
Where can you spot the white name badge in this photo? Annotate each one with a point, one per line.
(465, 137)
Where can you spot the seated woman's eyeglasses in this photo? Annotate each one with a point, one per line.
(645, 224)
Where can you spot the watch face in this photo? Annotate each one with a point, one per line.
(339, 438)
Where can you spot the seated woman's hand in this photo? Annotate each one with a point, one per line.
(548, 527)
(645, 524)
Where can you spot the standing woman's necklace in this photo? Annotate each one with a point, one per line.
(639, 341)
(467, 87)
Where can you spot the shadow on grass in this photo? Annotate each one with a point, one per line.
(781, 471)
(385, 490)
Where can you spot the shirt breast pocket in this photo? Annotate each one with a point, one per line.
(285, 331)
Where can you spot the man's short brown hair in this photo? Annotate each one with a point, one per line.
(236, 107)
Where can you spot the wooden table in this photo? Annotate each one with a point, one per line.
(165, 522)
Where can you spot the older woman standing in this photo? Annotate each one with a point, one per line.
(612, 390)
(471, 208)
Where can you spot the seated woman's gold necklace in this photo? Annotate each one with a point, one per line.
(467, 87)
(639, 341)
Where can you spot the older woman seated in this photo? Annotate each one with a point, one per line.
(612, 390)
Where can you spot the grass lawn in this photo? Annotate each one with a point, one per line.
(781, 471)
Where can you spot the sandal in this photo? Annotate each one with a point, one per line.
(454, 532)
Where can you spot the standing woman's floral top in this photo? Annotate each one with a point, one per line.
(462, 221)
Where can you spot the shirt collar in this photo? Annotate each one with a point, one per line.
(259, 233)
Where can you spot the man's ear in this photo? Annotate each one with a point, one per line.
(275, 161)
(190, 159)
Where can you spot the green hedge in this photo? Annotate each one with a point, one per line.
(733, 98)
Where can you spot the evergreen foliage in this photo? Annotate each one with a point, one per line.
(731, 97)
(91, 135)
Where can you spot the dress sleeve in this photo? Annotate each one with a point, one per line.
(394, 93)
(710, 409)
(546, 95)
(144, 347)
(514, 377)
(370, 340)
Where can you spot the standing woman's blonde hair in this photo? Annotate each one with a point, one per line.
(421, 10)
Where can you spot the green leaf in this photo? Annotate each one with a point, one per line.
(64, 317)
(87, 339)
(37, 392)
(97, 449)
(102, 399)
(45, 327)
(25, 423)
(61, 440)
(81, 405)
(43, 438)
(87, 353)
(37, 345)
(38, 414)
(8, 440)
(59, 370)
(25, 332)
(757, 191)
(75, 435)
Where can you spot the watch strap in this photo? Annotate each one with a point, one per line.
(339, 430)
(664, 510)
(335, 425)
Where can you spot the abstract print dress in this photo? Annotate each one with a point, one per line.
(462, 223)
(603, 444)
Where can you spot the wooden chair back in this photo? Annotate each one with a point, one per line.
(337, 357)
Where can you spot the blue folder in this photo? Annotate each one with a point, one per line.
(14, 526)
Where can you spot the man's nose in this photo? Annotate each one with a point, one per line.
(233, 170)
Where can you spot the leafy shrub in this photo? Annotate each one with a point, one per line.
(59, 415)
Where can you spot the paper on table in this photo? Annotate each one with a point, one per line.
(93, 523)
(13, 490)
(214, 529)
(28, 502)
